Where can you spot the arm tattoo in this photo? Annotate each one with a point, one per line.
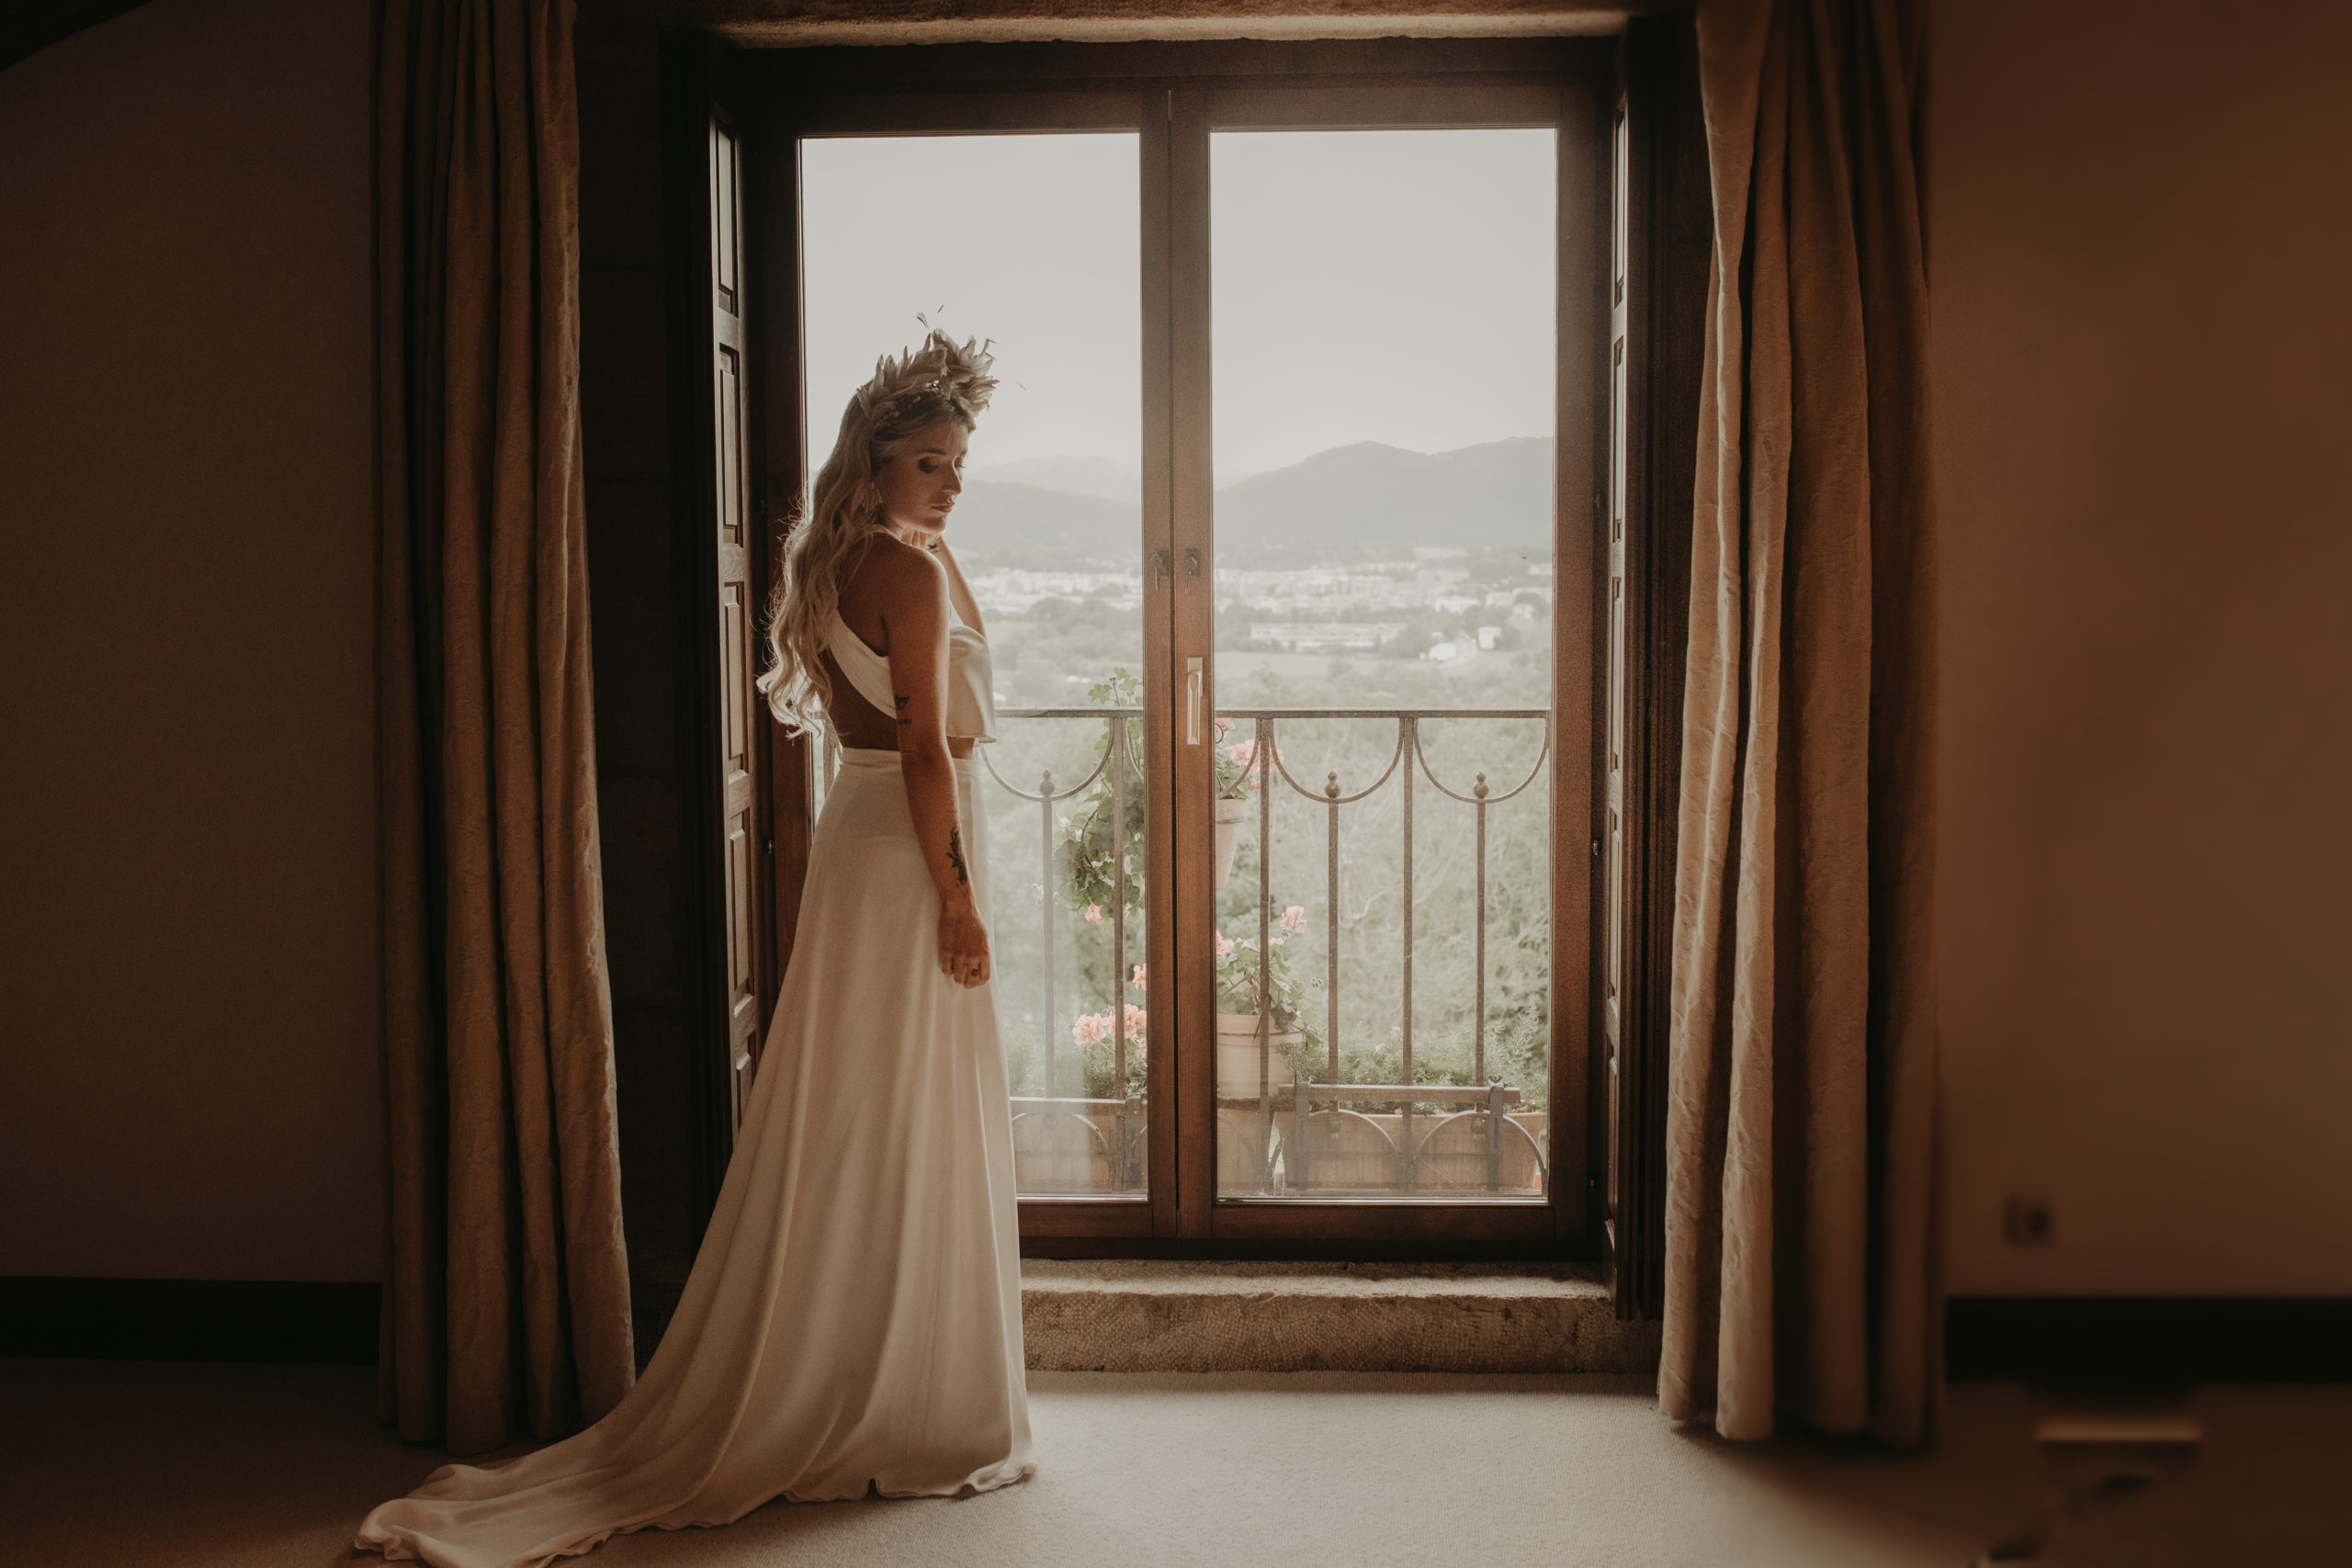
(956, 856)
(899, 704)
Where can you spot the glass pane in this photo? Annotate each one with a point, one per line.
(1383, 412)
(1034, 243)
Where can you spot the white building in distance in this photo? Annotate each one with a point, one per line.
(1324, 637)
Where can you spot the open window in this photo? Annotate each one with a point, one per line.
(1309, 529)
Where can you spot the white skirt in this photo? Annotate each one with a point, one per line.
(854, 1318)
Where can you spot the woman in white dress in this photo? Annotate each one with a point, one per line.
(852, 1321)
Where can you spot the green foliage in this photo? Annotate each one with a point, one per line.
(1089, 867)
(1039, 652)
(1238, 974)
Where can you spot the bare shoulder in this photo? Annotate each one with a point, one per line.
(899, 577)
(903, 589)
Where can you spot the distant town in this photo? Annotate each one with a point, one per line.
(1327, 608)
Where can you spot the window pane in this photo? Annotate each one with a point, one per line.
(1383, 364)
(1030, 241)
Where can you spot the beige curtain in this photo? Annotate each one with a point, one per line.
(1801, 1127)
(508, 1298)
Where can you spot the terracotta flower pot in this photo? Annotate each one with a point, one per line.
(1237, 1056)
(1230, 814)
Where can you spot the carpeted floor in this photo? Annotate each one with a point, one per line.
(124, 1465)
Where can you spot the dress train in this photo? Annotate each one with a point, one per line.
(852, 1320)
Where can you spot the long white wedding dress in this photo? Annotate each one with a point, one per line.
(853, 1317)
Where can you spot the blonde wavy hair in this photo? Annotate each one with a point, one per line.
(939, 380)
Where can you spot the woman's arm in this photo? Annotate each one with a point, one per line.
(913, 592)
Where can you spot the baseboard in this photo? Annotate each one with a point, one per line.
(189, 1320)
(2150, 1339)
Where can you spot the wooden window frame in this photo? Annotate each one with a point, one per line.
(1665, 227)
(1602, 1203)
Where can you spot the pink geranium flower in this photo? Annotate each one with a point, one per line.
(1293, 918)
(1138, 980)
(1094, 914)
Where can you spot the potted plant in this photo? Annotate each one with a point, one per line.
(1086, 836)
(1244, 1018)
(1095, 1035)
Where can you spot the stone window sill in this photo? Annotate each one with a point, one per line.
(1121, 1315)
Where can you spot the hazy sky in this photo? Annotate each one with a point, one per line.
(1028, 239)
(1369, 286)
(1379, 285)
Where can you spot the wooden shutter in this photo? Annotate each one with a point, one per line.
(745, 904)
(1664, 235)
(1613, 954)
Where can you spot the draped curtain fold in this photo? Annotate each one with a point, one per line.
(1801, 1092)
(507, 1301)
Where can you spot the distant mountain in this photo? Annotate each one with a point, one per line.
(1023, 526)
(1367, 502)
(1073, 474)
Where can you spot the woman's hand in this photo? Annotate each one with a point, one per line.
(963, 943)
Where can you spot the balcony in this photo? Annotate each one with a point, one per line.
(1327, 1089)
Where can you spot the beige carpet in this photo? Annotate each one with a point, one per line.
(121, 1465)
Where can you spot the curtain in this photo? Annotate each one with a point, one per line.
(1802, 1084)
(507, 1302)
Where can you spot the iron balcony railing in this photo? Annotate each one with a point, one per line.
(1121, 1145)
(1294, 1152)
(1280, 1160)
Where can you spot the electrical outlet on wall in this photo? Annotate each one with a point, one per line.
(2026, 1218)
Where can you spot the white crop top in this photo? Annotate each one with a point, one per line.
(971, 699)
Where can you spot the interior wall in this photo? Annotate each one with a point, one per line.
(188, 1060)
(2138, 251)
(2145, 903)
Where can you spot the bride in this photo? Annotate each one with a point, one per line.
(852, 1321)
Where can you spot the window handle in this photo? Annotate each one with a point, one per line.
(1191, 702)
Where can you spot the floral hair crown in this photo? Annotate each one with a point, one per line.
(941, 370)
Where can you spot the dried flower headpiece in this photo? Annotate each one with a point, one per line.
(940, 370)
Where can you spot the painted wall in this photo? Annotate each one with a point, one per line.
(2139, 254)
(189, 1065)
